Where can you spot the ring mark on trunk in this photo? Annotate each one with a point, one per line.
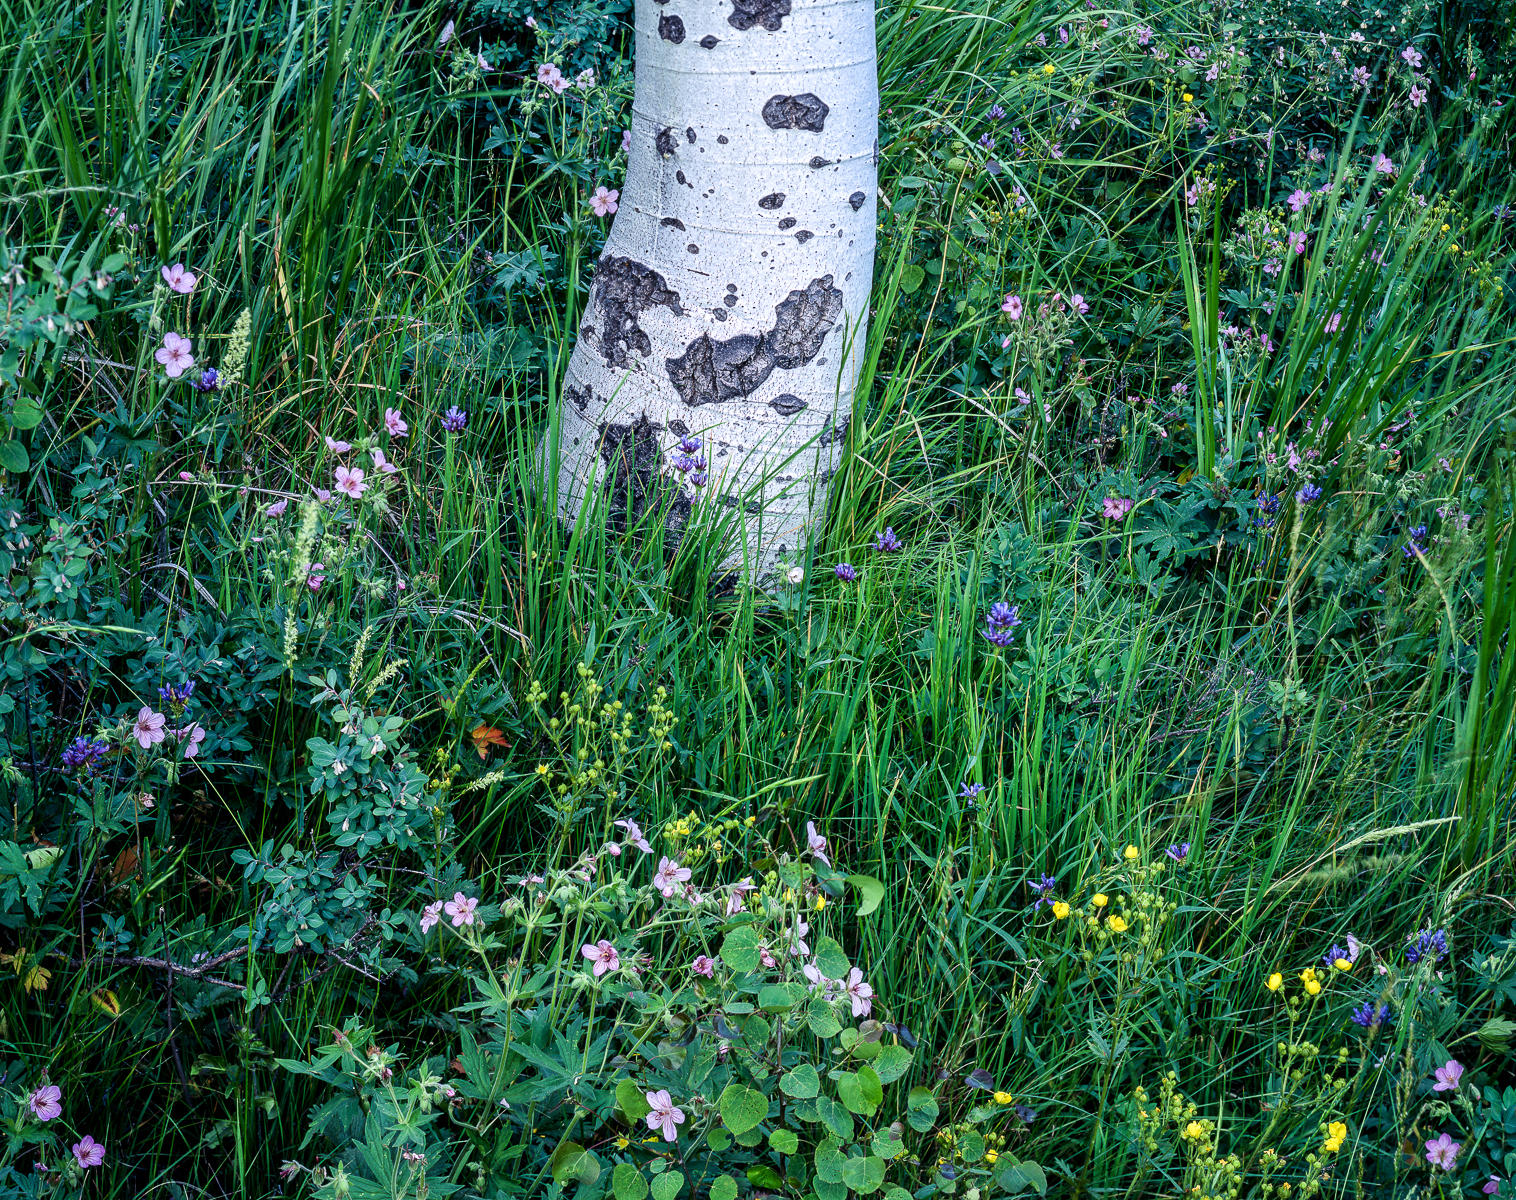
(787, 404)
(818, 162)
(806, 111)
(671, 28)
(709, 41)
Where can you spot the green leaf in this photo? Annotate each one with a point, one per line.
(1015, 1176)
(776, 997)
(573, 1161)
(828, 1159)
(850, 1092)
(630, 1100)
(835, 1118)
(27, 412)
(822, 1020)
(897, 1193)
(829, 1190)
(13, 457)
(888, 1144)
(892, 1063)
(764, 1177)
(830, 960)
(785, 1141)
(922, 1109)
(739, 949)
(802, 1083)
(627, 1182)
(863, 1175)
(870, 889)
(668, 1185)
(1495, 1034)
(723, 1187)
(971, 1146)
(718, 1139)
(742, 1108)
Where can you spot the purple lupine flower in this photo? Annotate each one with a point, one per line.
(846, 572)
(1001, 622)
(886, 540)
(454, 419)
(996, 113)
(986, 141)
(967, 791)
(1308, 494)
(1427, 941)
(689, 444)
(1044, 890)
(207, 381)
(1417, 543)
(1179, 851)
(1372, 1016)
(83, 753)
(177, 695)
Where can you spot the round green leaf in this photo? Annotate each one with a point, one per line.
(627, 1182)
(785, 1141)
(723, 1187)
(742, 1108)
(668, 1185)
(801, 1083)
(739, 950)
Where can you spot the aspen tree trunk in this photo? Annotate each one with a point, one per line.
(731, 300)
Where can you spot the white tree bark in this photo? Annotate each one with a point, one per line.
(731, 301)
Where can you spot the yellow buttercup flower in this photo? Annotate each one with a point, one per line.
(1195, 1130)
(1003, 1097)
(1132, 854)
(990, 1156)
(542, 768)
(1117, 924)
(1312, 983)
(1342, 964)
(1187, 98)
(1275, 982)
(1337, 1130)
(1060, 909)
(1100, 899)
(1048, 68)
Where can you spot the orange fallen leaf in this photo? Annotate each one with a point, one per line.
(486, 736)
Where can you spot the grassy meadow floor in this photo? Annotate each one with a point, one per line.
(1253, 508)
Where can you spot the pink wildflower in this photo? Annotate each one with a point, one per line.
(1080, 305)
(1012, 307)
(705, 965)
(174, 355)
(90, 1153)
(859, 992)
(626, 141)
(669, 876)
(46, 1102)
(190, 738)
(1334, 322)
(461, 909)
(1442, 1151)
(1115, 508)
(276, 509)
(663, 1117)
(148, 727)
(431, 915)
(395, 423)
(1298, 200)
(634, 835)
(603, 955)
(337, 447)
(551, 76)
(1448, 1076)
(1383, 165)
(381, 463)
(179, 280)
(604, 201)
(816, 843)
(1418, 96)
(350, 482)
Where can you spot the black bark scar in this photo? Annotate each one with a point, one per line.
(806, 111)
(768, 13)
(671, 28)
(625, 288)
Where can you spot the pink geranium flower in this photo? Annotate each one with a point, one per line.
(1080, 304)
(603, 955)
(350, 482)
(549, 75)
(1442, 1151)
(634, 836)
(147, 729)
(1115, 508)
(1334, 323)
(431, 915)
(88, 1152)
(381, 463)
(336, 446)
(1012, 307)
(276, 509)
(669, 876)
(705, 965)
(179, 279)
(662, 1116)
(1418, 96)
(174, 355)
(395, 423)
(1383, 165)
(626, 141)
(604, 201)
(46, 1102)
(461, 909)
(859, 992)
(1448, 1076)
(190, 738)
(816, 843)
(1298, 200)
